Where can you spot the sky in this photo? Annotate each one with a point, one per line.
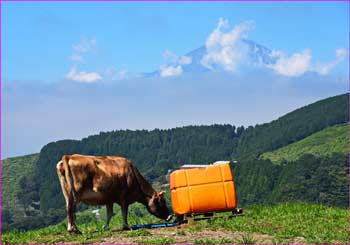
(73, 69)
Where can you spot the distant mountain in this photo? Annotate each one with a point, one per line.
(257, 55)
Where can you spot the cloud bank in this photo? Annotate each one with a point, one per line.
(34, 113)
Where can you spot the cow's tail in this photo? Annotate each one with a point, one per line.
(61, 176)
(68, 176)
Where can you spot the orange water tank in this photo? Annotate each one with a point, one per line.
(208, 188)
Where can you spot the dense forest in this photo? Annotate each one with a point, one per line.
(310, 178)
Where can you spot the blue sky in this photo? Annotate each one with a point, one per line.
(38, 37)
(65, 66)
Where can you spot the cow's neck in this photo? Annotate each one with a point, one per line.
(147, 194)
(145, 187)
(144, 199)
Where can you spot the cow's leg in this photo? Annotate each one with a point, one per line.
(109, 208)
(68, 196)
(71, 208)
(125, 207)
(65, 192)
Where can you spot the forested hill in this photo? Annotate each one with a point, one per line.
(153, 152)
(258, 181)
(156, 151)
(294, 126)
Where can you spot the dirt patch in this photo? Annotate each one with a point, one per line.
(183, 235)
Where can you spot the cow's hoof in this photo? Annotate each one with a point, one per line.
(126, 228)
(105, 227)
(75, 231)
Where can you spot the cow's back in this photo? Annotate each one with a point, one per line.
(103, 178)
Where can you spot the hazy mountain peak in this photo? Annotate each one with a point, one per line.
(255, 55)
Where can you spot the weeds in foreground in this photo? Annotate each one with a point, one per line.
(197, 226)
(139, 232)
(181, 233)
(247, 238)
(212, 241)
(157, 240)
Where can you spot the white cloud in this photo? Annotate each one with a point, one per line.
(225, 49)
(341, 54)
(185, 60)
(168, 71)
(173, 64)
(295, 65)
(76, 58)
(299, 63)
(84, 77)
(324, 69)
(85, 45)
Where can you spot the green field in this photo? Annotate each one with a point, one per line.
(283, 223)
(323, 143)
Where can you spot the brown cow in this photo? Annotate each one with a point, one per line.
(104, 180)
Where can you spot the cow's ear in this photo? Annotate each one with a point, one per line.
(161, 194)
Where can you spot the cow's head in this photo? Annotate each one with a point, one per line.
(157, 206)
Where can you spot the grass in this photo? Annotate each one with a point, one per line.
(140, 232)
(181, 233)
(158, 240)
(323, 143)
(284, 223)
(315, 223)
(92, 230)
(247, 238)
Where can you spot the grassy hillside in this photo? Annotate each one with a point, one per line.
(17, 194)
(323, 143)
(13, 169)
(294, 126)
(284, 223)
